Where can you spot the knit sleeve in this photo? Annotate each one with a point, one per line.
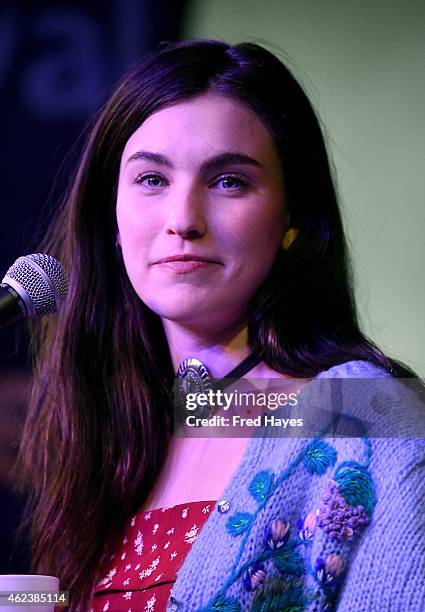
(387, 573)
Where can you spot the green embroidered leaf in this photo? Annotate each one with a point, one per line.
(261, 486)
(229, 604)
(275, 597)
(288, 561)
(238, 523)
(276, 603)
(356, 486)
(319, 456)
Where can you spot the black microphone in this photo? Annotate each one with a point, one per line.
(34, 286)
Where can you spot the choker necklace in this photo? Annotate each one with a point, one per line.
(193, 377)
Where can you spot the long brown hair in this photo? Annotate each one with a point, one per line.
(100, 419)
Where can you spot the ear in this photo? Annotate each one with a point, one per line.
(289, 237)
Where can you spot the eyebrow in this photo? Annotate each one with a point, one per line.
(213, 163)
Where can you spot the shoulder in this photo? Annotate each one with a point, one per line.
(355, 369)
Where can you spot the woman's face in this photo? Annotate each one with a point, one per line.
(200, 210)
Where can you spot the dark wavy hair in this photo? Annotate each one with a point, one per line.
(100, 416)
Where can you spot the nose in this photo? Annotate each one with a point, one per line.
(187, 215)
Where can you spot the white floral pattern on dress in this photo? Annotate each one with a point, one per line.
(150, 604)
(148, 571)
(190, 536)
(185, 512)
(128, 594)
(108, 577)
(138, 543)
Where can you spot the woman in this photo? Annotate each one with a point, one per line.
(203, 222)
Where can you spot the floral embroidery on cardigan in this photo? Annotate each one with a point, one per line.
(277, 534)
(307, 527)
(339, 520)
(347, 503)
(254, 576)
(345, 509)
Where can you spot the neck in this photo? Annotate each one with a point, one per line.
(219, 352)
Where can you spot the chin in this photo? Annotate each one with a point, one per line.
(197, 314)
(175, 310)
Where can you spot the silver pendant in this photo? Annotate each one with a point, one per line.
(193, 377)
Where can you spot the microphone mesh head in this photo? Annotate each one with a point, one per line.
(41, 282)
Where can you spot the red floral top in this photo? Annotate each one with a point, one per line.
(139, 576)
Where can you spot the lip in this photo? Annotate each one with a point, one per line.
(184, 267)
(186, 257)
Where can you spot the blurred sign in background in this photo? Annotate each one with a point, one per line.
(58, 61)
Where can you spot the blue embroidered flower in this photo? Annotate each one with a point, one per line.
(339, 520)
(254, 577)
(319, 456)
(330, 570)
(277, 534)
(307, 527)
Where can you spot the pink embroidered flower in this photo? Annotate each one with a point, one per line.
(277, 533)
(254, 577)
(330, 570)
(307, 527)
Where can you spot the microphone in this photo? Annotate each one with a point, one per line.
(34, 286)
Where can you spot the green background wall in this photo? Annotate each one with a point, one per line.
(363, 65)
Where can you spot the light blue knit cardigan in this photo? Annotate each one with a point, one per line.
(315, 524)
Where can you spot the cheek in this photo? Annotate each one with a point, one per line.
(133, 242)
(136, 247)
(136, 228)
(253, 242)
(258, 233)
